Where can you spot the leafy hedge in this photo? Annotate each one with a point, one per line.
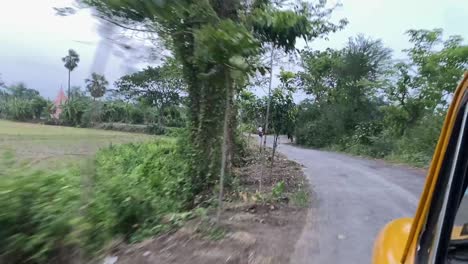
(137, 184)
(40, 213)
(48, 216)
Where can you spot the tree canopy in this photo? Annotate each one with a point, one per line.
(96, 85)
(216, 43)
(71, 60)
(364, 102)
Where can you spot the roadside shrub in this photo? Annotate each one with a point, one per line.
(319, 126)
(91, 115)
(278, 190)
(38, 105)
(174, 117)
(114, 112)
(136, 115)
(156, 129)
(18, 109)
(73, 111)
(151, 115)
(40, 218)
(418, 144)
(130, 192)
(137, 184)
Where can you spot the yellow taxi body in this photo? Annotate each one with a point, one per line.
(398, 240)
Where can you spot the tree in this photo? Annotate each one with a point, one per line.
(438, 64)
(252, 110)
(343, 84)
(283, 114)
(38, 105)
(159, 87)
(215, 42)
(18, 102)
(96, 85)
(20, 91)
(71, 62)
(363, 102)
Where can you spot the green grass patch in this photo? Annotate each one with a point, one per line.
(57, 146)
(301, 198)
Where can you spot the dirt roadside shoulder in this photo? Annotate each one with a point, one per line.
(254, 228)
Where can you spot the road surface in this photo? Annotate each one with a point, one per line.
(352, 199)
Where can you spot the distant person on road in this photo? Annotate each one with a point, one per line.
(260, 134)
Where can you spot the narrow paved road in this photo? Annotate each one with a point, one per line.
(353, 198)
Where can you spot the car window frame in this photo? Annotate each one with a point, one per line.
(433, 243)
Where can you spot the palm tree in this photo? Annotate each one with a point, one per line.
(96, 85)
(71, 62)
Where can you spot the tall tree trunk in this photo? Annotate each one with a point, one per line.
(198, 159)
(224, 147)
(267, 116)
(233, 150)
(275, 145)
(69, 94)
(269, 96)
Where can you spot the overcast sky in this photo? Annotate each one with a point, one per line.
(33, 39)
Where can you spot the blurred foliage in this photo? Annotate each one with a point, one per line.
(217, 44)
(40, 217)
(136, 185)
(362, 102)
(55, 216)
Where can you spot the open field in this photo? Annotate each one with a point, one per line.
(56, 146)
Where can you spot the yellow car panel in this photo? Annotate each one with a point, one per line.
(388, 248)
(397, 242)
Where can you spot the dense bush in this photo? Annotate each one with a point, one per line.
(22, 109)
(156, 129)
(114, 112)
(73, 112)
(137, 184)
(419, 142)
(325, 129)
(362, 102)
(136, 115)
(47, 217)
(40, 217)
(17, 102)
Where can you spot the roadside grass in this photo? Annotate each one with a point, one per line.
(301, 198)
(418, 160)
(57, 146)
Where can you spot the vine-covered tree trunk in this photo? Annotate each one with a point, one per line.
(200, 135)
(233, 150)
(267, 116)
(225, 141)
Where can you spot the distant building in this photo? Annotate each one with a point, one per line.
(58, 102)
